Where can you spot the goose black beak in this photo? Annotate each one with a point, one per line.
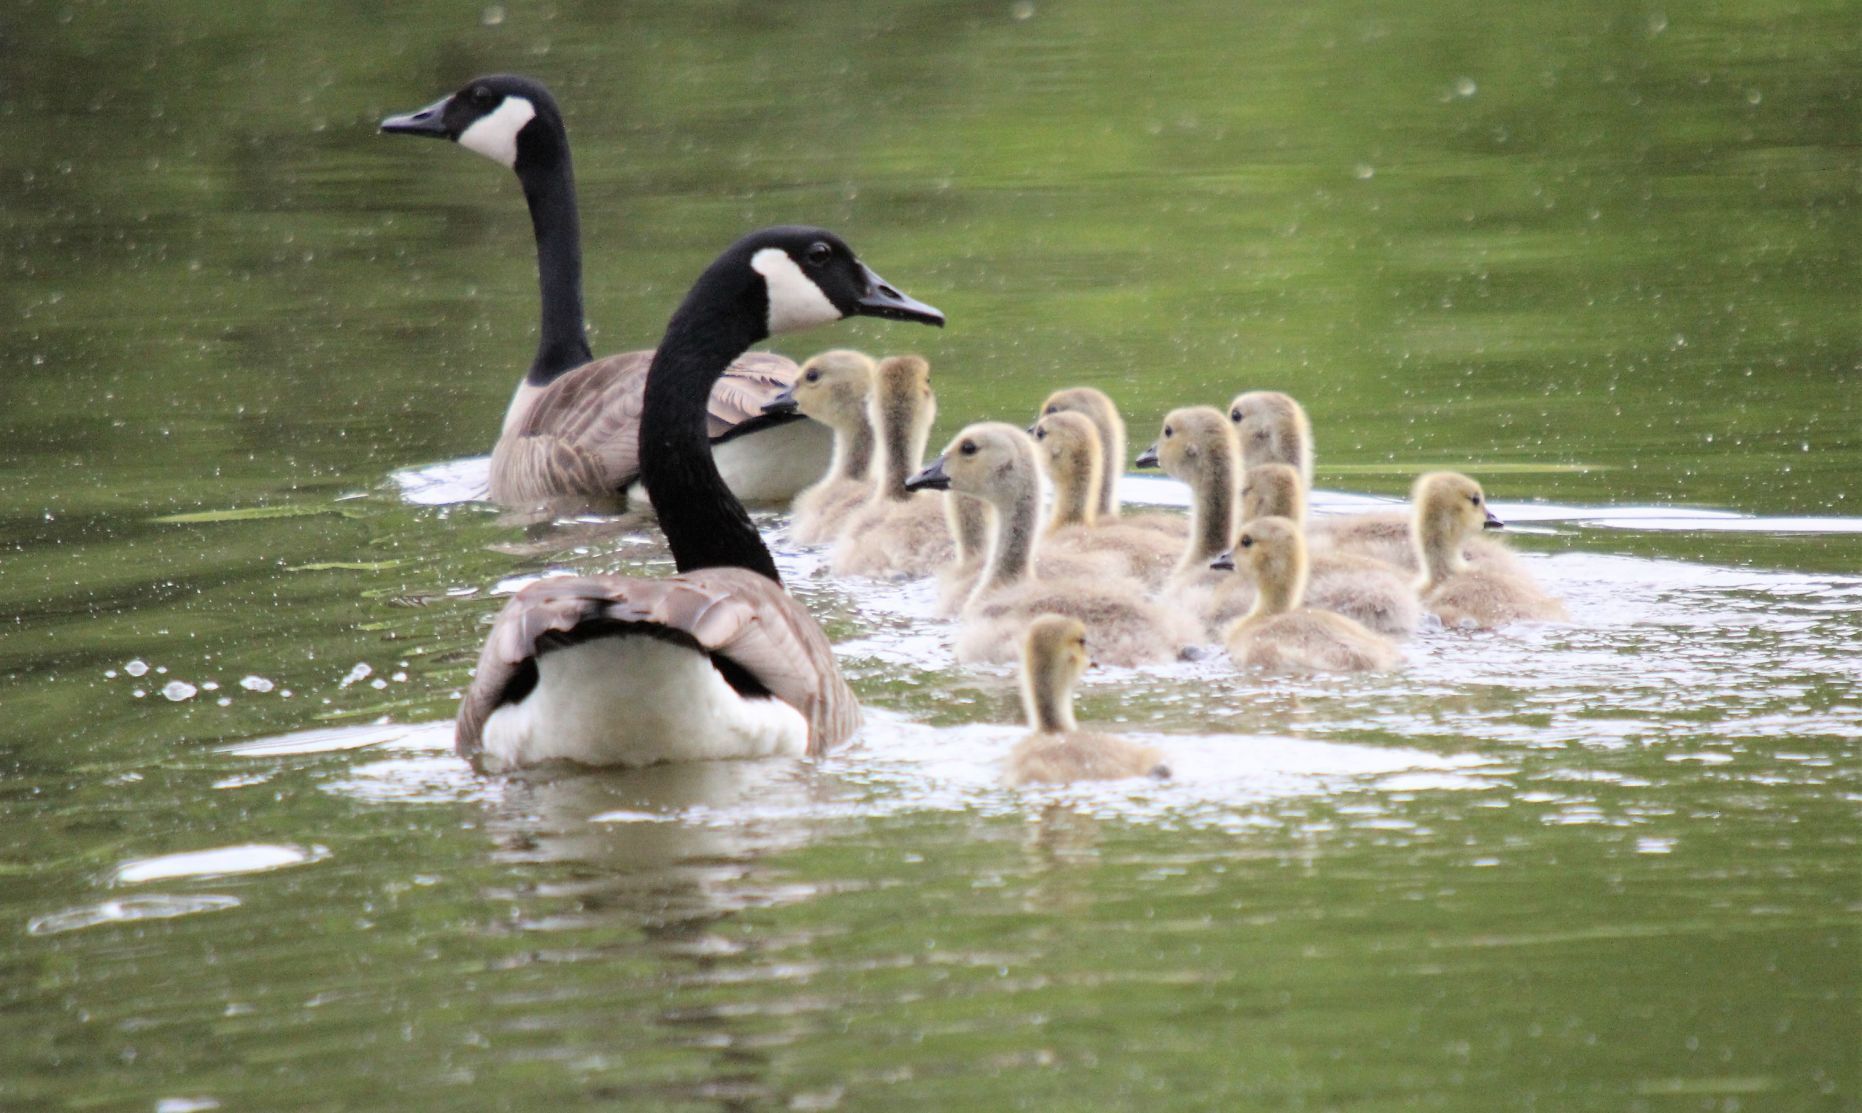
(429, 121)
(933, 478)
(1147, 458)
(1492, 522)
(783, 403)
(885, 300)
(1225, 562)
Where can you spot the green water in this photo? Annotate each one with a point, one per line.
(1608, 252)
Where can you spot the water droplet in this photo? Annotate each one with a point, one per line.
(177, 690)
(137, 667)
(1022, 10)
(1753, 96)
(1465, 87)
(492, 16)
(255, 684)
(360, 672)
(1364, 171)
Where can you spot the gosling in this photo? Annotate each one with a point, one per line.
(1281, 635)
(1377, 594)
(832, 388)
(1098, 408)
(1068, 446)
(1197, 446)
(1449, 509)
(996, 462)
(1059, 752)
(898, 533)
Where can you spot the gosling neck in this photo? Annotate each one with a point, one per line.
(1012, 545)
(1212, 510)
(904, 426)
(1112, 439)
(853, 448)
(1076, 493)
(544, 169)
(968, 518)
(1047, 697)
(1279, 587)
(1438, 549)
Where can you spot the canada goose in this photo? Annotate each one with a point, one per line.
(832, 388)
(1280, 634)
(968, 519)
(897, 532)
(1274, 429)
(1053, 656)
(1450, 508)
(571, 432)
(996, 462)
(1197, 445)
(1098, 408)
(717, 661)
(1373, 592)
(1068, 446)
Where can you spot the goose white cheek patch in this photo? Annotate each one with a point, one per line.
(494, 134)
(795, 302)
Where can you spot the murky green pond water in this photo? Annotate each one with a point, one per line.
(1602, 256)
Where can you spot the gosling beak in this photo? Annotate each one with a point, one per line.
(1492, 522)
(1147, 458)
(933, 478)
(783, 403)
(1225, 562)
(884, 300)
(1030, 430)
(429, 121)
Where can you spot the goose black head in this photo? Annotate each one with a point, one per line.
(505, 117)
(811, 277)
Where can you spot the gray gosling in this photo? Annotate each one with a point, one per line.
(996, 462)
(898, 533)
(1282, 635)
(1274, 429)
(1067, 444)
(1059, 752)
(1449, 509)
(1197, 446)
(1097, 407)
(1378, 594)
(832, 388)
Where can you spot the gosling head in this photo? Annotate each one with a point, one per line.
(1274, 490)
(831, 388)
(1053, 657)
(983, 460)
(1273, 429)
(1193, 440)
(506, 117)
(902, 384)
(1067, 444)
(1273, 552)
(1090, 401)
(1450, 506)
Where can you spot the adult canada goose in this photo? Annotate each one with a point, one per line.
(1280, 634)
(1376, 593)
(996, 462)
(833, 388)
(571, 433)
(898, 532)
(1058, 752)
(1096, 406)
(1449, 509)
(717, 661)
(1274, 429)
(1068, 446)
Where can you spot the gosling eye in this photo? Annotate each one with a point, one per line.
(968, 448)
(1040, 432)
(1247, 542)
(813, 376)
(818, 254)
(1168, 432)
(1235, 416)
(1475, 499)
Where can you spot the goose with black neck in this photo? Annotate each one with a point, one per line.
(718, 661)
(570, 434)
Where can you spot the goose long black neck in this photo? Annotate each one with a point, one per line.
(704, 523)
(549, 187)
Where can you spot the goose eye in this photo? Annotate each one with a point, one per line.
(819, 253)
(1051, 410)
(481, 95)
(1040, 432)
(1234, 415)
(1168, 432)
(968, 448)
(1247, 542)
(1475, 499)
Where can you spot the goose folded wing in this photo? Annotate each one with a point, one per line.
(727, 612)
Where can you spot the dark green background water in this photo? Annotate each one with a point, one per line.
(1608, 252)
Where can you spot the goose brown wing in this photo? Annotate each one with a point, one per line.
(730, 612)
(591, 416)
